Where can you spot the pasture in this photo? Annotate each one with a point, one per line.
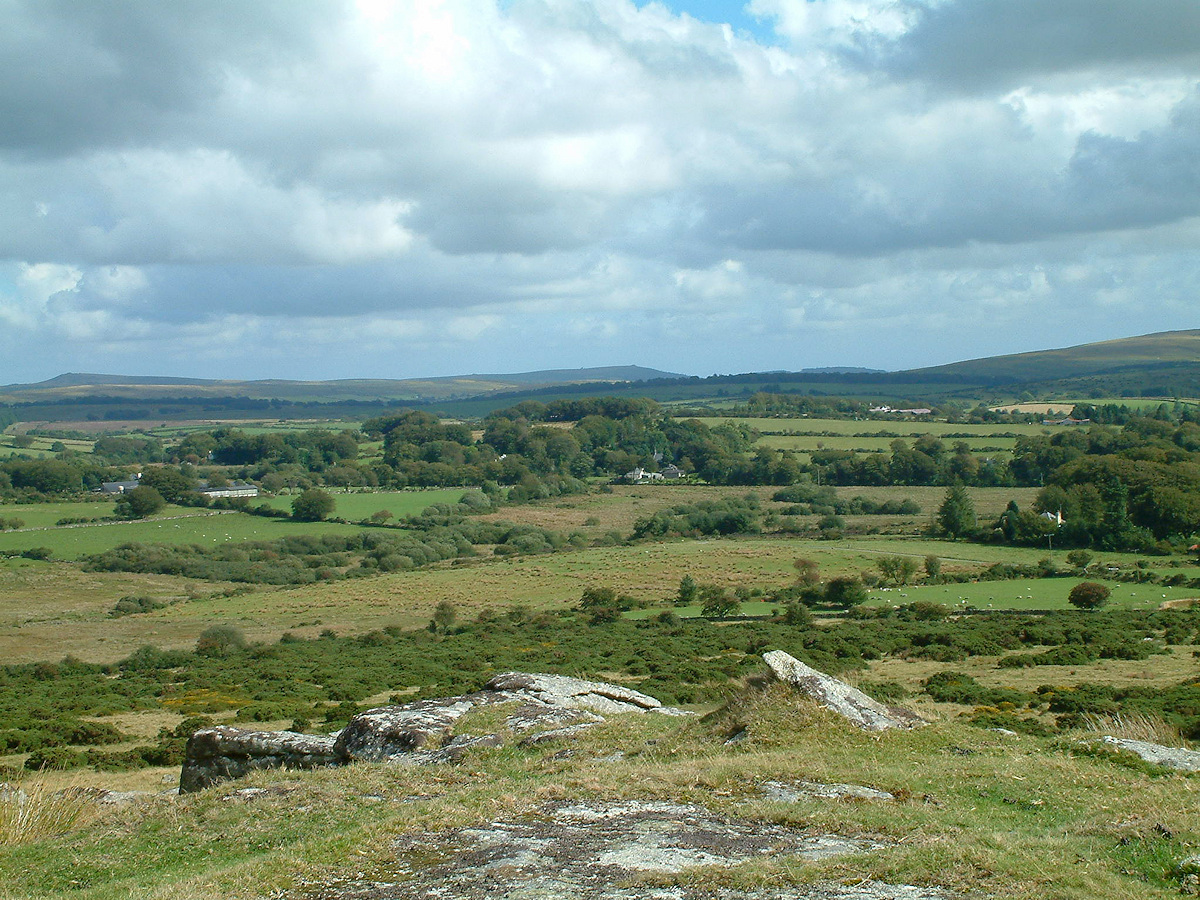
(49, 610)
(886, 428)
(356, 505)
(174, 525)
(189, 525)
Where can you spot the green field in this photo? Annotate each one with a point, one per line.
(358, 505)
(1027, 593)
(45, 515)
(877, 427)
(187, 525)
(174, 525)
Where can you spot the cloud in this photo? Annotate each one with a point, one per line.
(993, 44)
(200, 186)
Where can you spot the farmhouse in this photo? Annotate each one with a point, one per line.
(235, 489)
(119, 487)
(641, 476)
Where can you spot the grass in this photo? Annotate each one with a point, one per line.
(358, 505)
(886, 429)
(1009, 818)
(175, 525)
(1026, 594)
(45, 515)
(48, 610)
(33, 811)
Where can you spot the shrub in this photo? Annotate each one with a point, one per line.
(314, 505)
(1088, 595)
(140, 502)
(220, 640)
(845, 591)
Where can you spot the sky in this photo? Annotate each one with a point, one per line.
(404, 188)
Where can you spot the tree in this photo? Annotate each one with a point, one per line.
(688, 591)
(139, 503)
(313, 505)
(845, 591)
(956, 516)
(808, 573)
(444, 617)
(169, 482)
(716, 602)
(1080, 559)
(933, 569)
(1088, 595)
(220, 640)
(897, 569)
(603, 604)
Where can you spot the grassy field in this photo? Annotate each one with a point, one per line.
(1029, 593)
(174, 525)
(71, 614)
(876, 427)
(357, 505)
(45, 515)
(188, 525)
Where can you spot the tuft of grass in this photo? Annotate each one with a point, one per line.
(34, 811)
(1136, 726)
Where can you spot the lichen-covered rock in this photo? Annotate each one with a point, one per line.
(418, 732)
(382, 734)
(573, 693)
(215, 754)
(1170, 757)
(839, 697)
(794, 791)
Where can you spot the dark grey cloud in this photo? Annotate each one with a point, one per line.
(113, 72)
(993, 44)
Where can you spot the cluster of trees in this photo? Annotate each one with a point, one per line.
(1131, 489)
(528, 444)
(924, 461)
(732, 515)
(823, 500)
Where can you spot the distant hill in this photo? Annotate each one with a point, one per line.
(1148, 352)
(77, 386)
(1153, 365)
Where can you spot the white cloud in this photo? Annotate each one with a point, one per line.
(470, 181)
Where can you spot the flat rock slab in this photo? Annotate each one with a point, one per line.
(1170, 757)
(215, 754)
(419, 732)
(793, 791)
(839, 697)
(574, 693)
(599, 851)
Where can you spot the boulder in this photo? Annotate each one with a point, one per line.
(417, 732)
(839, 697)
(382, 734)
(573, 693)
(1170, 757)
(214, 754)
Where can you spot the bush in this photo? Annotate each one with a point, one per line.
(1088, 595)
(139, 503)
(130, 606)
(220, 640)
(314, 505)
